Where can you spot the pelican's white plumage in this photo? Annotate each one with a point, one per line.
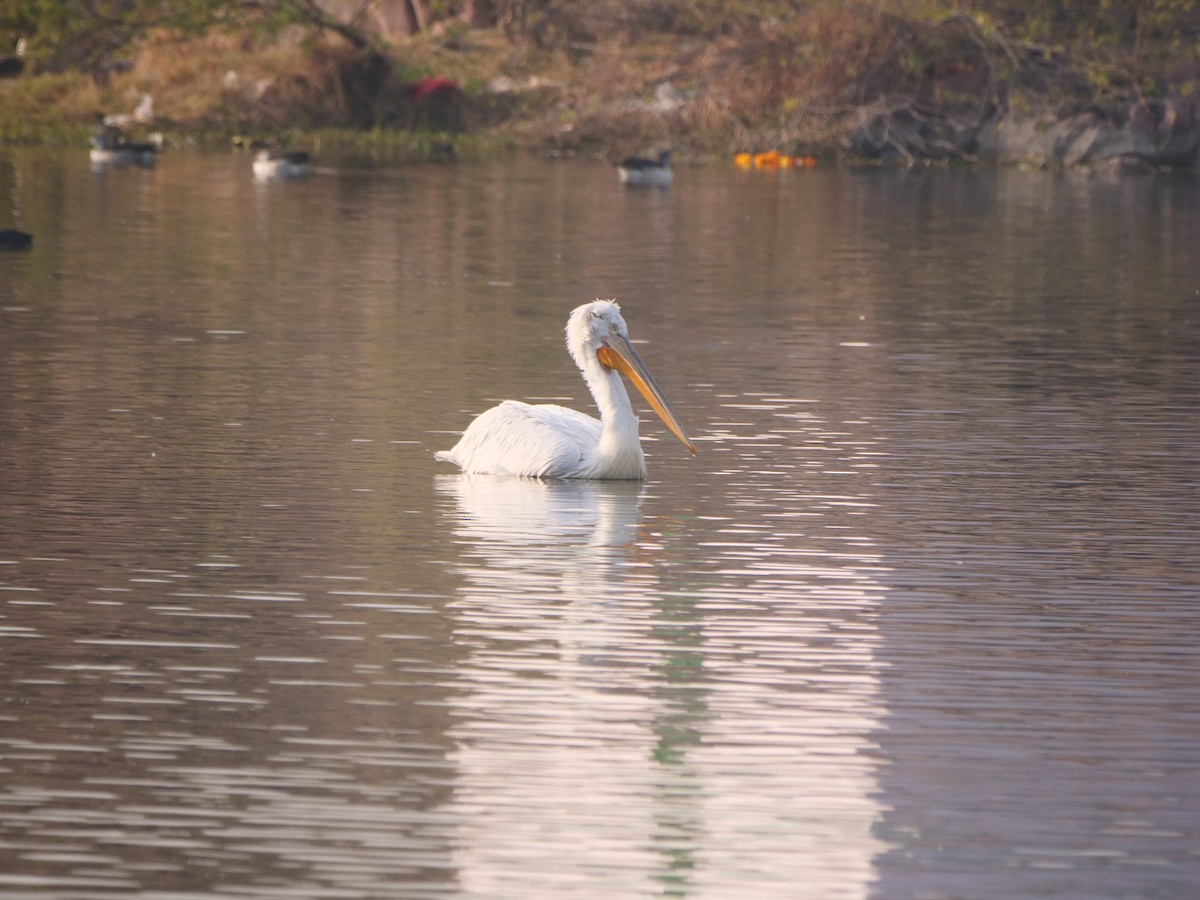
(550, 441)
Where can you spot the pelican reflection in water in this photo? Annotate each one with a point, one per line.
(545, 526)
(550, 441)
(567, 726)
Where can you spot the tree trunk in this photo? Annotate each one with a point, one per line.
(399, 18)
(482, 13)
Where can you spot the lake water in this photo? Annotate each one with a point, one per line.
(921, 619)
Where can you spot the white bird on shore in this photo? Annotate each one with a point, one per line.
(550, 441)
(638, 171)
(143, 113)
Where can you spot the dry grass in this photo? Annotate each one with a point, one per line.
(762, 82)
(766, 74)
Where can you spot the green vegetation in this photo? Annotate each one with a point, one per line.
(711, 75)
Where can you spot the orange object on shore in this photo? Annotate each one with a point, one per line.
(773, 159)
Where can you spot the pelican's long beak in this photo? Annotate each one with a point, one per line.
(617, 353)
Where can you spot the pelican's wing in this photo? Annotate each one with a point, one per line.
(543, 441)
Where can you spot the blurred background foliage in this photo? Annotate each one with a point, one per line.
(742, 64)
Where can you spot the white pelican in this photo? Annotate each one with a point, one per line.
(271, 164)
(638, 171)
(549, 441)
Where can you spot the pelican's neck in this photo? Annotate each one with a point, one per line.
(619, 454)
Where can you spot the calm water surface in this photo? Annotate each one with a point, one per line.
(920, 620)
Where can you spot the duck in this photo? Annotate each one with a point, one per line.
(639, 171)
(12, 239)
(110, 147)
(272, 164)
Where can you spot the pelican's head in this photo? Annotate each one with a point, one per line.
(588, 327)
(596, 332)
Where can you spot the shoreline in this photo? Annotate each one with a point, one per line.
(969, 97)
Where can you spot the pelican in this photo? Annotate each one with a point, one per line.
(638, 171)
(549, 441)
(271, 164)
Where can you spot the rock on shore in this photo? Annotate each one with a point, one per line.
(1145, 135)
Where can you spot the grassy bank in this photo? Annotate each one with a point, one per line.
(606, 77)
